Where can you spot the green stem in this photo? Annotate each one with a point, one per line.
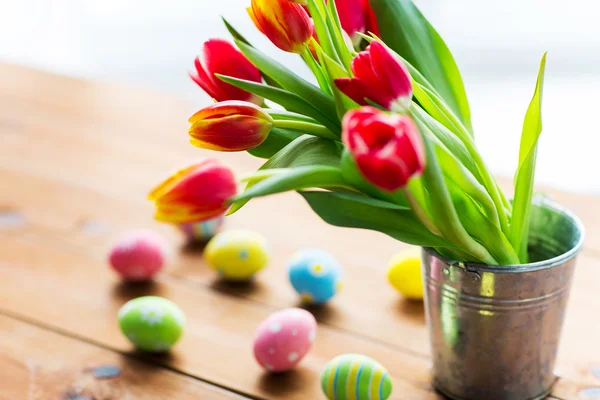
(305, 127)
(420, 212)
(316, 69)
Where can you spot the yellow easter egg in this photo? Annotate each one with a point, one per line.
(404, 274)
(237, 254)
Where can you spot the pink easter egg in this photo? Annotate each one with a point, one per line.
(284, 338)
(138, 255)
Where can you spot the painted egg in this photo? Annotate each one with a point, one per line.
(315, 275)
(201, 231)
(151, 323)
(237, 255)
(404, 274)
(284, 338)
(138, 255)
(357, 377)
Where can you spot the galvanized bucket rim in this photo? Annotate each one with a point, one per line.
(522, 268)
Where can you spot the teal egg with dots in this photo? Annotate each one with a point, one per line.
(315, 275)
(151, 323)
(355, 377)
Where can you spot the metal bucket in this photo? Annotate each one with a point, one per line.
(495, 330)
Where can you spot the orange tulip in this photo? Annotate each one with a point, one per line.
(230, 126)
(196, 193)
(285, 23)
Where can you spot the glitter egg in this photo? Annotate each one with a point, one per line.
(201, 231)
(404, 274)
(138, 255)
(315, 275)
(151, 323)
(354, 376)
(284, 338)
(237, 254)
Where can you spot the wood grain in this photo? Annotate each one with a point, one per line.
(38, 364)
(77, 159)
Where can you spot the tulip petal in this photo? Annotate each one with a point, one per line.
(168, 184)
(205, 82)
(230, 107)
(230, 133)
(390, 70)
(221, 57)
(351, 16)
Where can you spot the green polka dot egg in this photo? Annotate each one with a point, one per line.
(151, 323)
(355, 377)
(237, 254)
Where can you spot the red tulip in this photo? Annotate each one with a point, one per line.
(285, 23)
(370, 18)
(379, 76)
(388, 149)
(193, 194)
(352, 17)
(230, 126)
(221, 57)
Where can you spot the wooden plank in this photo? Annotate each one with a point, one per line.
(218, 339)
(38, 364)
(93, 150)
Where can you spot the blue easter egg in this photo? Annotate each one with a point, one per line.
(315, 275)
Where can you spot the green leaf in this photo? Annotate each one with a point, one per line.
(278, 138)
(404, 28)
(237, 36)
(317, 11)
(335, 29)
(306, 150)
(357, 211)
(443, 136)
(313, 176)
(524, 178)
(288, 100)
(343, 103)
(291, 82)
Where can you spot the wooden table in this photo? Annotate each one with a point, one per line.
(76, 161)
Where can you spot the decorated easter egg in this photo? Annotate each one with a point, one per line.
(284, 338)
(357, 377)
(404, 274)
(315, 275)
(237, 255)
(202, 231)
(138, 255)
(151, 323)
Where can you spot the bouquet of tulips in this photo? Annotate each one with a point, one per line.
(381, 139)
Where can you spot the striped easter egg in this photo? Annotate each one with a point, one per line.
(355, 377)
(201, 231)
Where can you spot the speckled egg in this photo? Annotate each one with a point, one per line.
(237, 255)
(404, 274)
(138, 255)
(357, 377)
(201, 231)
(284, 338)
(151, 323)
(315, 275)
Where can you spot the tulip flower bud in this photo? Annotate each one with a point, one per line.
(196, 193)
(388, 149)
(221, 57)
(230, 126)
(285, 23)
(352, 18)
(379, 76)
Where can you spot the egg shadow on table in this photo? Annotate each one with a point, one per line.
(194, 247)
(238, 288)
(322, 312)
(283, 383)
(127, 290)
(413, 310)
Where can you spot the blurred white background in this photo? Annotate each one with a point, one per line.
(497, 44)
